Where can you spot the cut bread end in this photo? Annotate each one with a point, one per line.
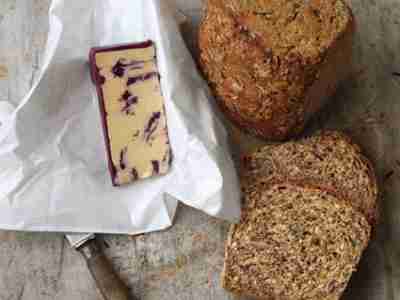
(302, 243)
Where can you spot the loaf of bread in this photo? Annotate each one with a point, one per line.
(272, 64)
(308, 210)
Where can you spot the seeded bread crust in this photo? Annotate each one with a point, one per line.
(273, 64)
(294, 242)
(329, 160)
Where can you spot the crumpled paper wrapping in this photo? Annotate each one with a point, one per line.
(52, 155)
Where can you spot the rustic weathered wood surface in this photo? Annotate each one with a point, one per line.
(185, 262)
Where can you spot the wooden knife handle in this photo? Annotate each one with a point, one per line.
(108, 282)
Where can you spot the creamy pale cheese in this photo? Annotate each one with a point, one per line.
(134, 113)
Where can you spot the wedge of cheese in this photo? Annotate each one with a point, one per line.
(132, 109)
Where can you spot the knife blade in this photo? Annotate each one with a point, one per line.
(78, 239)
(109, 284)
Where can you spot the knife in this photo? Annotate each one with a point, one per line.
(109, 284)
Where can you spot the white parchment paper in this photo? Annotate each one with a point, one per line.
(53, 174)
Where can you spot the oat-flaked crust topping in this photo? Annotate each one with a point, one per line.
(261, 57)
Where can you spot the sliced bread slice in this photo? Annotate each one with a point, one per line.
(295, 243)
(329, 160)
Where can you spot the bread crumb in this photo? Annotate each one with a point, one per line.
(3, 72)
